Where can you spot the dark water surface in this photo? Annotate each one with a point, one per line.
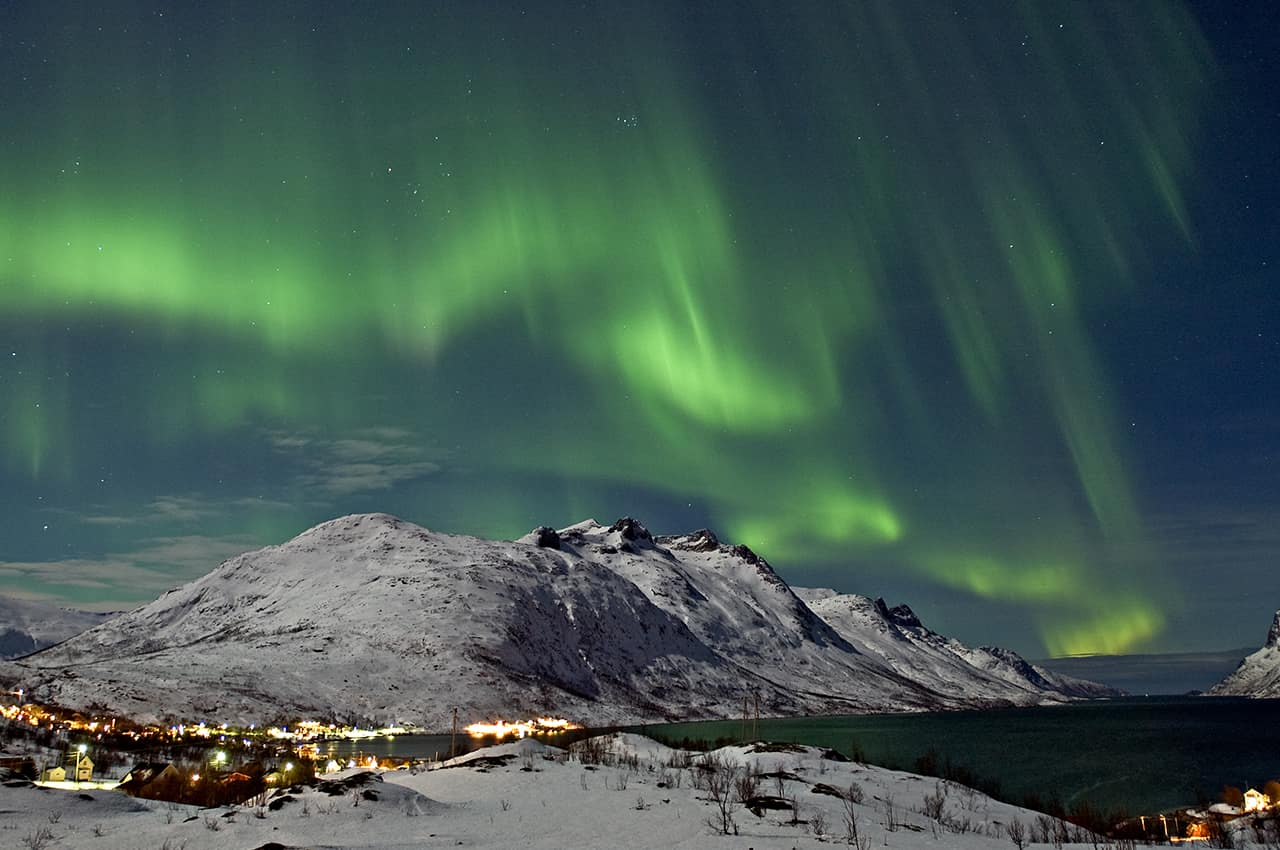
(1139, 754)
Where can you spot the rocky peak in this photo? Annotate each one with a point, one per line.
(631, 529)
(546, 537)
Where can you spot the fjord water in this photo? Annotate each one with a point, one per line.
(1137, 755)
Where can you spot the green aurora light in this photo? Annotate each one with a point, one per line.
(787, 274)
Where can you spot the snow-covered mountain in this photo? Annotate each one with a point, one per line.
(371, 618)
(896, 637)
(27, 626)
(1258, 674)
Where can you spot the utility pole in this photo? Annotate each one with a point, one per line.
(755, 731)
(744, 718)
(453, 736)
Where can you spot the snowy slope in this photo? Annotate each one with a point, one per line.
(368, 618)
(642, 796)
(27, 626)
(896, 637)
(1259, 674)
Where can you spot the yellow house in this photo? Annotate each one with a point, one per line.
(1255, 800)
(55, 774)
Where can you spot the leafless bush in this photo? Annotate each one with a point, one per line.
(818, 820)
(1017, 832)
(851, 834)
(935, 804)
(680, 759)
(260, 812)
(212, 823)
(640, 804)
(55, 815)
(590, 750)
(890, 813)
(747, 785)
(720, 784)
(620, 781)
(98, 830)
(39, 839)
(506, 804)
(854, 792)
(582, 780)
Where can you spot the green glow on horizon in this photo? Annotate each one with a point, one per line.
(786, 299)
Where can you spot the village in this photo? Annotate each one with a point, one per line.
(209, 765)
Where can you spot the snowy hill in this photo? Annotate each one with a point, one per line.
(898, 639)
(27, 626)
(369, 618)
(1259, 674)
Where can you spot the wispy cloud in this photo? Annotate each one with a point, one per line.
(120, 579)
(368, 460)
(188, 508)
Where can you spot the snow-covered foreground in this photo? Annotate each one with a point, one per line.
(527, 795)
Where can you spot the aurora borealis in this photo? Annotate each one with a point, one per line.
(967, 306)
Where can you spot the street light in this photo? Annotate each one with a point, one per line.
(80, 751)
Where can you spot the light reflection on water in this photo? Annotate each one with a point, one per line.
(1139, 754)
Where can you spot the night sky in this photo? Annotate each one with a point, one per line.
(972, 306)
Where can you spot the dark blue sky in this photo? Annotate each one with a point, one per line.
(969, 308)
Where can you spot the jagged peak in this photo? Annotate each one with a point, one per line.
(1273, 634)
(899, 615)
(631, 529)
(587, 526)
(702, 540)
(545, 537)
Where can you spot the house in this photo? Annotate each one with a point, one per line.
(55, 774)
(79, 766)
(150, 779)
(1255, 800)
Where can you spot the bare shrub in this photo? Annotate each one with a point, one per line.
(55, 815)
(212, 823)
(719, 783)
(506, 804)
(854, 792)
(1017, 832)
(747, 785)
(818, 820)
(890, 813)
(934, 805)
(39, 839)
(851, 834)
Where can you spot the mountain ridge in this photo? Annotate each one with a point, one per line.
(1258, 674)
(371, 618)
